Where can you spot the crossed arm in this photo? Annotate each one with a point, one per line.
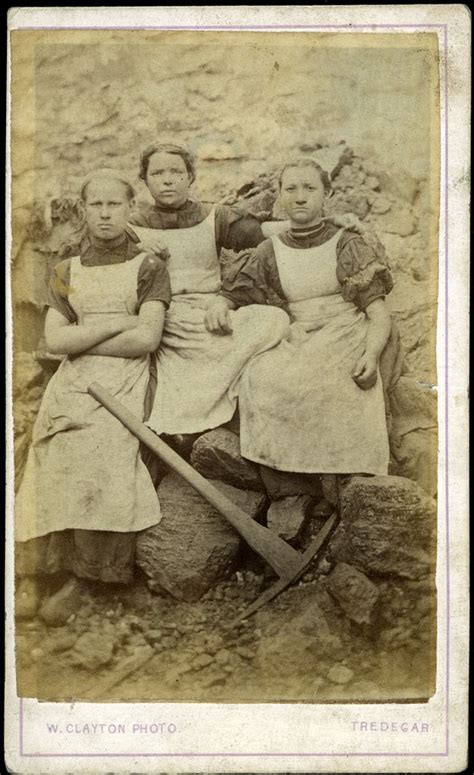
(126, 337)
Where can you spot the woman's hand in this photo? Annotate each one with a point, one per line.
(347, 221)
(154, 245)
(365, 372)
(217, 318)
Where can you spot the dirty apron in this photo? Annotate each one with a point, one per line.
(198, 371)
(300, 410)
(84, 469)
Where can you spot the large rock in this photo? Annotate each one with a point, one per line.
(216, 455)
(93, 650)
(287, 517)
(414, 437)
(387, 527)
(354, 592)
(193, 546)
(400, 222)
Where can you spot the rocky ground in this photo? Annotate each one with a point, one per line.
(168, 650)
(360, 624)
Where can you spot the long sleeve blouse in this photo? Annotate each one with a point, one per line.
(361, 269)
(235, 229)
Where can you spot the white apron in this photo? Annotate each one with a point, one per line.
(197, 371)
(84, 468)
(300, 409)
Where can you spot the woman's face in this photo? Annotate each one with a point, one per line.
(302, 195)
(168, 179)
(107, 208)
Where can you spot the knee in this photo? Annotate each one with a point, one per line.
(277, 322)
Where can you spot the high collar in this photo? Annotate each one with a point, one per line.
(307, 232)
(109, 244)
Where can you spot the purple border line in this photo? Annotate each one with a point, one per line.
(446, 383)
(348, 27)
(443, 27)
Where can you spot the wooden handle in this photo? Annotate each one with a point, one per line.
(284, 560)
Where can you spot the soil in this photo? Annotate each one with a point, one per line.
(195, 656)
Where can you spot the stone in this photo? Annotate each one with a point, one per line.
(287, 517)
(62, 641)
(357, 203)
(27, 374)
(214, 642)
(259, 203)
(400, 183)
(340, 674)
(414, 435)
(401, 222)
(92, 650)
(245, 652)
(223, 657)
(354, 592)
(372, 182)
(27, 598)
(387, 527)
(60, 607)
(216, 455)
(218, 678)
(193, 546)
(201, 661)
(381, 205)
(154, 636)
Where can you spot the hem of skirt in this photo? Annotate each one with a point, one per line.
(194, 429)
(301, 470)
(88, 527)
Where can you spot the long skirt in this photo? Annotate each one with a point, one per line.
(198, 371)
(301, 411)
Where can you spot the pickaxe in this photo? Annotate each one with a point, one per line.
(287, 563)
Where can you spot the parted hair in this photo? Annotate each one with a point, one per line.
(307, 161)
(177, 150)
(107, 173)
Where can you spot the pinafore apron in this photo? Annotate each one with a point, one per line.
(84, 469)
(198, 371)
(300, 409)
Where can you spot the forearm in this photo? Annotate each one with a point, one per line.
(129, 344)
(378, 330)
(73, 340)
(231, 304)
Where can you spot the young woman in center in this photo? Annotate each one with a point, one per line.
(204, 346)
(315, 403)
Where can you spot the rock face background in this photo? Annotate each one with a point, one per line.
(361, 622)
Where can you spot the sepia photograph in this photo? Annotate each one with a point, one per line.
(237, 302)
(224, 279)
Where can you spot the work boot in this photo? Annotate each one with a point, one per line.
(27, 598)
(57, 609)
(182, 443)
(323, 509)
